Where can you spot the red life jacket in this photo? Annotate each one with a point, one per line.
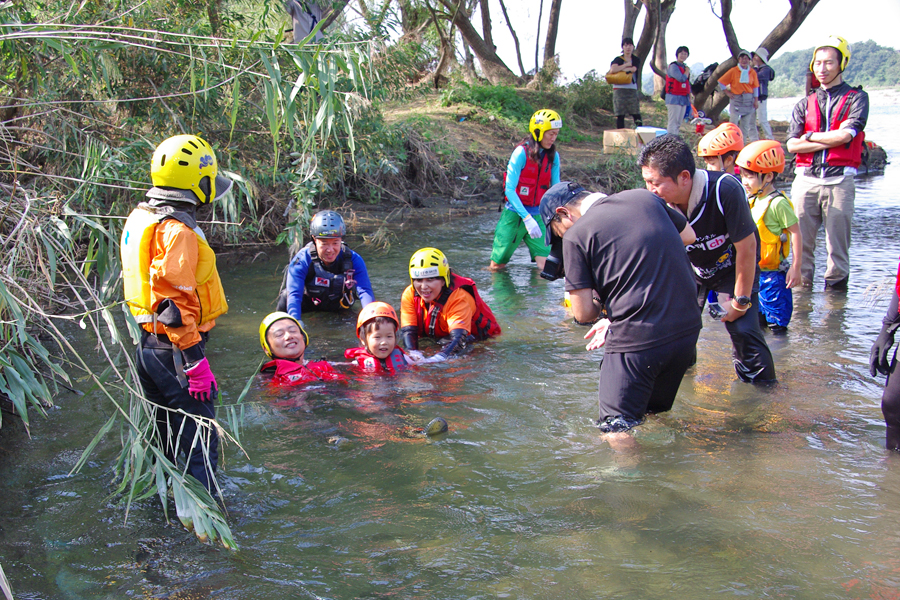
(368, 362)
(289, 372)
(534, 180)
(484, 323)
(675, 87)
(848, 155)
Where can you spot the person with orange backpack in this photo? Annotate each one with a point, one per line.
(760, 162)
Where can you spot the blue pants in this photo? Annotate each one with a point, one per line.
(776, 302)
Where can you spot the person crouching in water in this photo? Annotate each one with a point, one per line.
(441, 304)
(760, 162)
(377, 328)
(284, 340)
(325, 275)
(720, 148)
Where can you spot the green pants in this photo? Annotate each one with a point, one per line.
(509, 234)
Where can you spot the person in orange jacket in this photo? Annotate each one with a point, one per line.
(174, 292)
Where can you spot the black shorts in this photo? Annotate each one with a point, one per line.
(635, 383)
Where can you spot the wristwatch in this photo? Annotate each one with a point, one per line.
(808, 135)
(743, 301)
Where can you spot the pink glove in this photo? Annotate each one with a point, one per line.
(201, 382)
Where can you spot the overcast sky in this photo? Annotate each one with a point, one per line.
(590, 30)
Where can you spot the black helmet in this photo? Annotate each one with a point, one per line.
(327, 224)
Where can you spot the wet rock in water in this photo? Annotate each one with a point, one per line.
(339, 441)
(437, 426)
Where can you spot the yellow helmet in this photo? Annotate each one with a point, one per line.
(184, 167)
(839, 44)
(543, 121)
(376, 309)
(429, 262)
(269, 321)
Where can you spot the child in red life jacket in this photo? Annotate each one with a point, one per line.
(376, 329)
(284, 340)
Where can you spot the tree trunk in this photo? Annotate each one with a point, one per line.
(664, 13)
(710, 100)
(493, 67)
(215, 22)
(515, 38)
(632, 12)
(552, 29)
(644, 45)
(446, 49)
(337, 7)
(537, 38)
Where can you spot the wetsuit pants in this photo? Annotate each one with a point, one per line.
(175, 434)
(753, 360)
(635, 383)
(890, 406)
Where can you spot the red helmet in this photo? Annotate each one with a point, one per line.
(376, 309)
(764, 156)
(726, 137)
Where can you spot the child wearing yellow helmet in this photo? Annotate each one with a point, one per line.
(441, 304)
(760, 162)
(377, 328)
(284, 340)
(532, 169)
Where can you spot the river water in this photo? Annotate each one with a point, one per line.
(737, 492)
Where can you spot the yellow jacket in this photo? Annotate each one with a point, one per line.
(170, 273)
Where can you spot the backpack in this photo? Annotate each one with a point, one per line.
(703, 77)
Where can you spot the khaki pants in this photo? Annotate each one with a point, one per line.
(676, 116)
(831, 206)
(762, 119)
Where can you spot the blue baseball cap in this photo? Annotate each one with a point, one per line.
(557, 196)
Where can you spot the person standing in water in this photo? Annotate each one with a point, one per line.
(173, 290)
(639, 272)
(532, 169)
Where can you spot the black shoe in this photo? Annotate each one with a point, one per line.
(838, 286)
(778, 329)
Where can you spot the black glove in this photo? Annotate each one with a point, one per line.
(409, 335)
(878, 356)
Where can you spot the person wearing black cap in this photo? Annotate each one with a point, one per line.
(628, 250)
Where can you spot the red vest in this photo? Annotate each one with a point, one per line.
(484, 324)
(534, 180)
(675, 87)
(848, 155)
(289, 372)
(396, 361)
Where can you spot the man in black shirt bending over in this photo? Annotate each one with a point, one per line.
(628, 250)
(725, 255)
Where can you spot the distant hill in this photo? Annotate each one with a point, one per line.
(871, 66)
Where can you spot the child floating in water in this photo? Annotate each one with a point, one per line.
(376, 329)
(284, 340)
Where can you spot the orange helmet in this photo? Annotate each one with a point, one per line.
(764, 156)
(376, 309)
(724, 138)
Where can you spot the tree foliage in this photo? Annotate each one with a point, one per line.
(871, 66)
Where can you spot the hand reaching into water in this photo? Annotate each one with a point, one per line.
(598, 331)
